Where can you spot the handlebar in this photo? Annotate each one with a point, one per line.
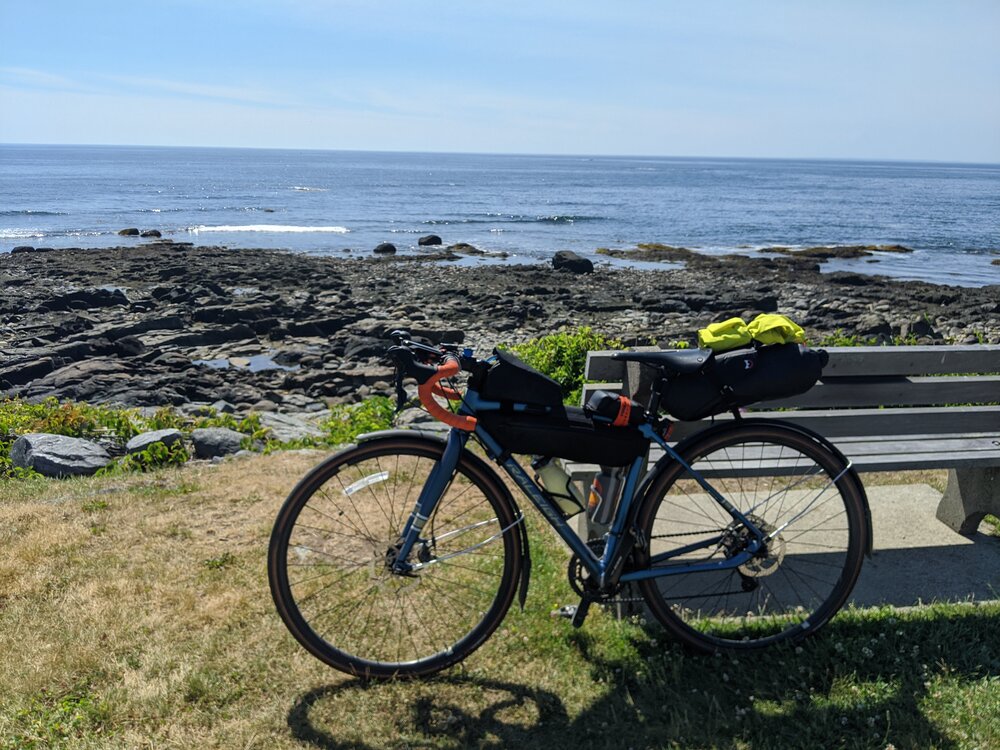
(426, 390)
(418, 361)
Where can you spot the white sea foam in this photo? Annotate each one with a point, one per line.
(274, 228)
(20, 234)
(303, 189)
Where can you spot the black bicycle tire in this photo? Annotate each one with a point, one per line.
(492, 489)
(850, 490)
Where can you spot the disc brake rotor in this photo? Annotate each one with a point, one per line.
(768, 560)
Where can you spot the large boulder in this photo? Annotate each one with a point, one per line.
(285, 427)
(58, 455)
(211, 442)
(386, 248)
(570, 261)
(429, 240)
(141, 442)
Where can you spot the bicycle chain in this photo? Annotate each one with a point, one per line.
(636, 599)
(688, 533)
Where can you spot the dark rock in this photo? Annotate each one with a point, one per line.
(210, 442)
(233, 313)
(87, 299)
(430, 239)
(570, 261)
(360, 347)
(25, 372)
(386, 248)
(141, 442)
(664, 305)
(166, 323)
(464, 247)
(58, 455)
(129, 346)
(24, 249)
(211, 336)
(151, 233)
(130, 232)
(223, 407)
(319, 326)
(919, 328)
(849, 279)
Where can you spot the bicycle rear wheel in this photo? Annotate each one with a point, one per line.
(332, 547)
(792, 487)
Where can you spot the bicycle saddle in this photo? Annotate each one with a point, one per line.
(681, 361)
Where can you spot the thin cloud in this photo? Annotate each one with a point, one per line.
(188, 89)
(38, 79)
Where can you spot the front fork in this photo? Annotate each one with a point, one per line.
(433, 489)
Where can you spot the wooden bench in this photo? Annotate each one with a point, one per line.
(887, 409)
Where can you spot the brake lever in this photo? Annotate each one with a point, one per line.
(400, 391)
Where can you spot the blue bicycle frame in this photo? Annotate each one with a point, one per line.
(605, 569)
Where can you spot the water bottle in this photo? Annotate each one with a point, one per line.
(557, 485)
(603, 500)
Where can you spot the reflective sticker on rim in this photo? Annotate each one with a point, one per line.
(367, 481)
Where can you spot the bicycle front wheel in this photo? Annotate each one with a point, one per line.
(334, 542)
(811, 509)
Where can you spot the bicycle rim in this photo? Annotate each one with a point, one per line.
(334, 542)
(805, 500)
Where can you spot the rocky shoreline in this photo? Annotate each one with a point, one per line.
(173, 324)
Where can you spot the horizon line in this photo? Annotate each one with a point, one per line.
(539, 154)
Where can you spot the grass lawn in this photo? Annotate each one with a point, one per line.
(134, 612)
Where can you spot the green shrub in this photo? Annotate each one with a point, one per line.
(563, 356)
(155, 456)
(347, 421)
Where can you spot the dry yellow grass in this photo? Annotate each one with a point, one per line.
(146, 595)
(135, 613)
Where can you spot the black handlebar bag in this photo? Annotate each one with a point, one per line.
(509, 381)
(742, 377)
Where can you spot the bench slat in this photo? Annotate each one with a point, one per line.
(838, 423)
(884, 453)
(913, 360)
(867, 361)
(908, 391)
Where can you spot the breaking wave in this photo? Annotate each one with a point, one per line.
(273, 228)
(501, 218)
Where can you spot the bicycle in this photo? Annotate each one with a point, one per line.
(400, 555)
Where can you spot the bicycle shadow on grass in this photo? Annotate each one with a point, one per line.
(445, 711)
(863, 682)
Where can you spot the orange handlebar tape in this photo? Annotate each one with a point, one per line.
(445, 392)
(426, 393)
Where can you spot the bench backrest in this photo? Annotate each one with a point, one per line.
(905, 390)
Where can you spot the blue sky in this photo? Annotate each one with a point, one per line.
(881, 80)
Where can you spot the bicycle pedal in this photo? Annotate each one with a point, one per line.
(581, 612)
(567, 611)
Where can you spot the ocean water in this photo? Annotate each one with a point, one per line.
(335, 202)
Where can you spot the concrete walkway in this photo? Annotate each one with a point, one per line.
(917, 559)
